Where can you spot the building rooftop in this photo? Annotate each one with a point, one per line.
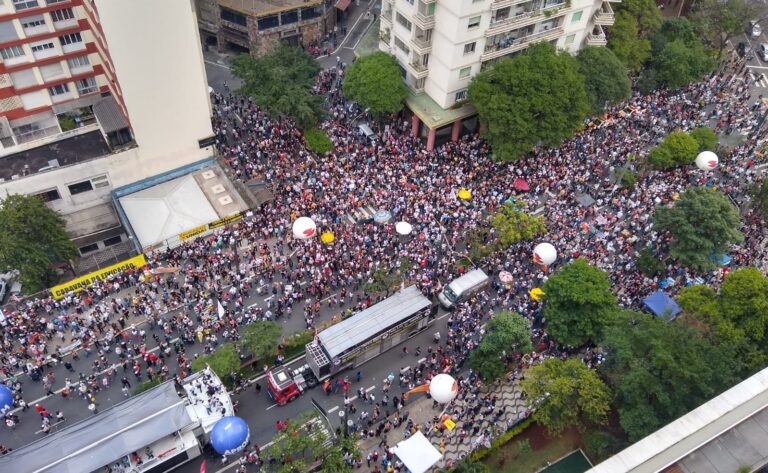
(76, 149)
(432, 114)
(265, 7)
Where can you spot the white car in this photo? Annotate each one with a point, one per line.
(754, 29)
(763, 51)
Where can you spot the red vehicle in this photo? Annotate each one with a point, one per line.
(284, 385)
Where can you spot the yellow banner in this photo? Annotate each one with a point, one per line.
(225, 221)
(193, 233)
(78, 284)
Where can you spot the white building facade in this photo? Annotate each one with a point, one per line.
(442, 44)
(120, 96)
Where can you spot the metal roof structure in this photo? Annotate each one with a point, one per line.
(375, 319)
(726, 432)
(98, 440)
(109, 116)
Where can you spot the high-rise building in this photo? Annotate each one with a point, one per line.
(96, 95)
(442, 44)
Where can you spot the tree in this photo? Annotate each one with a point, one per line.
(376, 83)
(512, 225)
(720, 21)
(645, 13)
(523, 107)
(660, 370)
(383, 280)
(281, 83)
(506, 333)
(470, 466)
(317, 141)
(605, 77)
(32, 238)
(673, 29)
(261, 338)
(678, 148)
(298, 443)
(627, 44)
(705, 137)
(570, 394)
(759, 194)
(578, 303)
(680, 63)
(224, 361)
(703, 224)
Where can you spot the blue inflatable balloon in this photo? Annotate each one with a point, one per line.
(230, 435)
(6, 399)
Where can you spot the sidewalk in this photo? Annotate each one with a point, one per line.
(421, 412)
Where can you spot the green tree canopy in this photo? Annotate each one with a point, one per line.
(261, 338)
(281, 83)
(681, 63)
(512, 225)
(578, 304)
(506, 333)
(32, 238)
(678, 149)
(645, 13)
(627, 44)
(703, 225)
(661, 370)
(759, 194)
(224, 361)
(470, 466)
(720, 21)
(376, 83)
(673, 29)
(605, 76)
(571, 394)
(705, 137)
(523, 107)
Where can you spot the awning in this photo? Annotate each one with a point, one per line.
(343, 4)
(82, 102)
(109, 116)
(418, 454)
(662, 305)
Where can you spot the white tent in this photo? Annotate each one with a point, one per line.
(418, 454)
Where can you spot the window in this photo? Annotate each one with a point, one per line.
(84, 250)
(62, 15)
(409, 1)
(113, 241)
(12, 52)
(51, 2)
(8, 31)
(86, 86)
(474, 22)
(469, 48)
(71, 38)
(41, 47)
(403, 21)
(32, 21)
(569, 39)
(77, 62)
(23, 79)
(49, 196)
(24, 4)
(100, 181)
(80, 187)
(465, 72)
(58, 89)
(233, 17)
(461, 95)
(577, 16)
(401, 45)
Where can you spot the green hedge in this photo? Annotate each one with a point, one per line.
(481, 453)
(317, 141)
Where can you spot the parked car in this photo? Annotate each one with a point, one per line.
(742, 49)
(764, 51)
(754, 29)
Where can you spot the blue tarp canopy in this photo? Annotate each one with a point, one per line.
(662, 305)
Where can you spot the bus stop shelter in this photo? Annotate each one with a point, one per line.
(418, 454)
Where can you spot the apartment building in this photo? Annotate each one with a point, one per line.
(442, 44)
(97, 95)
(257, 25)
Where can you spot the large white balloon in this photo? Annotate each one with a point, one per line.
(443, 388)
(403, 228)
(707, 160)
(544, 253)
(304, 228)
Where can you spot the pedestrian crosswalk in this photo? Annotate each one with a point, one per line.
(363, 213)
(760, 80)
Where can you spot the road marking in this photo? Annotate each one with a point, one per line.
(371, 388)
(757, 67)
(333, 409)
(444, 316)
(218, 65)
(234, 464)
(52, 425)
(270, 407)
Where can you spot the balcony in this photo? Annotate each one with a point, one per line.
(493, 51)
(596, 37)
(65, 24)
(423, 21)
(72, 47)
(506, 3)
(525, 19)
(421, 45)
(386, 14)
(417, 70)
(604, 16)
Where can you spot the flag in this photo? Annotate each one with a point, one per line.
(202, 467)
(221, 309)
